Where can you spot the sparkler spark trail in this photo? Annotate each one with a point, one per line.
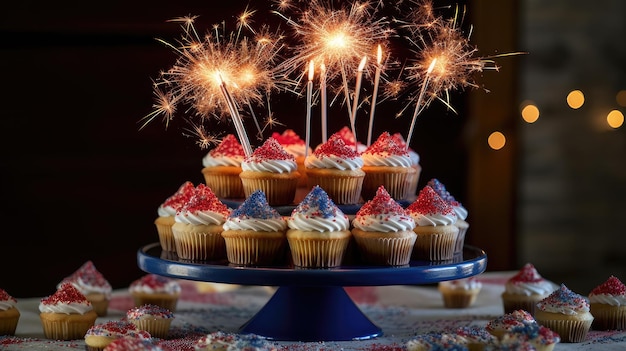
(247, 65)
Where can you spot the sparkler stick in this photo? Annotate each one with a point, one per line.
(418, 104)
(323, 102)
(239, 127)
(309, 93)
(379, 57)
(355, 102)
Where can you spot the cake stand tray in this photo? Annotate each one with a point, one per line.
(311, 304)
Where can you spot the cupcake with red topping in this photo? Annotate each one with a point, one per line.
(435, 229)
(319, 232)
(154, 319)
(523, 290)
(167, 212)
(415, 163)
(607, 304)
(198, 227)
(542, 338)
(66, 314)
(99, 336)
(501, 325)
(293, 144)
(9, 314)
(461, 212)
(254, 232)
(221, 168)
(566, 313)
(383, 231)
(475, 337)
(336, 168)
(345, 133)
(91, 283)
(152, 289)
(387, 163)
(272, 169)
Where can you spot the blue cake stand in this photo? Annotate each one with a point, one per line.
(311, 304)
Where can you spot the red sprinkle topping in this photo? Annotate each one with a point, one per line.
(152, 280)
(528, 274)
(4, 296)
(289, 137)
(336, 146)
(204, 199)
(89, 275)
(346, 135)
(386, 145)
(428, 202)
(181, 196)
(382, 203)
(611, 286)
(66, 293)
(229, 146)
(270, 150)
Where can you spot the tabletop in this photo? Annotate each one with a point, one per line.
(401, 311)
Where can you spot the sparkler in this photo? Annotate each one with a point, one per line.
(323, 102)
(355, 102)
(379, 57)
(309, 92)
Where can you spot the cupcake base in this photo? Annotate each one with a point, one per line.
(224, 181)
(279, 188)
(8, 321)
(164, 230)
(199, 242)
(388, 249)
(343, 187)
(100, 303)
(317, 249)
(164, 300)
(512, 302)
(249, 247)
(61, 326)
(607, 317)
(435, 243)
(570, 328)
(396, 180)
(456, 298)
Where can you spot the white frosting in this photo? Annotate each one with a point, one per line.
(307, 223)
(414, 156)
(461, 212)
(333, 161)
(608, 299)
(385, 159)
(384, 222)
(67, 308)
(200, 218)
(272, 166)
(434, 219)
(166, 211)
(462, 284)
(256, 224)
(86, 288)
(7, 304)
(210, 161)
(543, 287)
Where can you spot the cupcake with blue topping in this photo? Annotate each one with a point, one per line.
(567, 313)
(254, 232)
(460, 211)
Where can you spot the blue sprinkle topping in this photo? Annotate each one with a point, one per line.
(318, 199)
(255, 206)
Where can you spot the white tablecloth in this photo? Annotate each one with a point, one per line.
(402, 312)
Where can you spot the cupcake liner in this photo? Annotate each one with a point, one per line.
(199, 243)
(8, 321)
(344, 188)
(318, 253)
(460, 239)
(459, 299)
(570, 331)
(279, 188)
(385, 250)
(224, 181)
(157, 327)
(413, 181)
(61, 326)
(164, 230)
(435, 246)
(607, 317)
(247, 251)
(396, 180)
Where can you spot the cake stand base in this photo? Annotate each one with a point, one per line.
(311, 313)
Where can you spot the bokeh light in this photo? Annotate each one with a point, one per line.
(575, 99)
(530, 113)
(615, 119)
(621, 98)
(496, 140)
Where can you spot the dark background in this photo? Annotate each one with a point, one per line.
(80, 181)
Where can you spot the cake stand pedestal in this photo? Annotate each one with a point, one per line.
(311, 304)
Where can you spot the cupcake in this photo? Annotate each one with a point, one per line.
(475, 338)
(221, 168)
(336, 168)
(435, 229)
(523, 290)
(272, 169)
(541, 337)
(99, 336)
(215, 341)
(607, 304)
(133, 344)
(415, 163)
(435, 341)
(254, 232)
(318, 233)
(9, 314)
(383, 231)
(345, 133)
(293, 144)
(155, 290)
(461, 212)
(566, 313)
(198, 227)
(459, 293)
(66, 314)
(154, 319)
(166, 213)
(499, 326)
(388, 164)
(91, 283)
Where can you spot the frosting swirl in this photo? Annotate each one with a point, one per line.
(318, 213)
(462, 284)
(270, 157)
(564, 301)
(203, 208)
(6, 301)
(228, 153)
(611, 292)
(67, 299)
(154, 284)
(382, 214)
(255, 214)
(176, 200)
(385, 151)
(528, 282)
(429, 209)
(88, 280)
(334, 153)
